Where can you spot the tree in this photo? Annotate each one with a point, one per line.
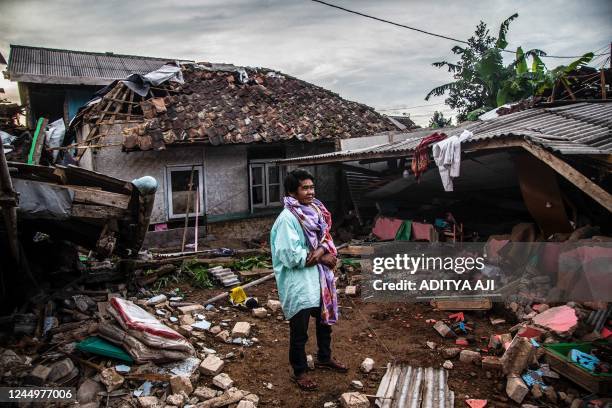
(482, 82)
(466, 93)
(439, 121)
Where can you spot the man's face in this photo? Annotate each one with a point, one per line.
(305, 193)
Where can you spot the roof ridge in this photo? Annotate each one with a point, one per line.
(104, 54)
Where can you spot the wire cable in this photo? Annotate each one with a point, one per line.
(429, 32)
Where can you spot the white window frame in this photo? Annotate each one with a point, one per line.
(199, 183)
(265, 164)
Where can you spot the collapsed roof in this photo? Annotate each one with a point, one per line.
(224, 104)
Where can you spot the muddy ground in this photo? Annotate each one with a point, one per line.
(399, 331)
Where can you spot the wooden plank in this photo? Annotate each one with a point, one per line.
(91, 196)
(96, 211)
(119, 105)
(571, 174)
(255, 272)
(131, 103)
(79, 176)
(462, 304)
(354, 250)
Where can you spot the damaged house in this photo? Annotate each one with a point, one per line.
(210, 134)
(55, 83)
(548, 165)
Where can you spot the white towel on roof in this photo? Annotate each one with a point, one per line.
(447, 155)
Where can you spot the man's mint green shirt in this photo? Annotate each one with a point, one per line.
(298, 286)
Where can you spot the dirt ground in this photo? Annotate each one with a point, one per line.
(401, 332)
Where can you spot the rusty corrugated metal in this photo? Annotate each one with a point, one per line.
(42, 65)
(577, 129)
(404, 386)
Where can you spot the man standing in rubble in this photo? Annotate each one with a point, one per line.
(303, 257)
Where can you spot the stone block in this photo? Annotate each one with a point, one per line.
(212, 365)
(241, 329)
(516, 389)
(469, 356)
(354, 400)
(181, 383)
(223, 381)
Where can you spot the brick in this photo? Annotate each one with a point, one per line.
(204, 393)
(223, 381)
(492, 363)
(246, 404)
(148, 402)
(443, 330)
(186, 320)
(260, 312)
(190, 309)
(516, 389)
(517, 356)
(215, 330)
(224, 336)
(354, 400)
(111, 379)
(451, 352)
(212, 365)
(185, 330)
(181, 383)
(273, 305)
(469, 356)
(88, 391)
(351, 290)
(251, 397)
(175, 399)
(39, 375)
(241, 329)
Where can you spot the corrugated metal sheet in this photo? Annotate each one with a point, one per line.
(404, 386)
(575, 129)
(47, 65)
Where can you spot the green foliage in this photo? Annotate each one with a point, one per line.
(467, 92)
(439, 121)
(198, 273)
(165, 281)
(482, 82)
(246, 264)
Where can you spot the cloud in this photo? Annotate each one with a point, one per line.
(363, 60)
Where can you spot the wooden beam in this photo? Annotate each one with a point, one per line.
(603, 85)
(571, 174)
(96, 211)
(98, 197)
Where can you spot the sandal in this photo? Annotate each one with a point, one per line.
(332, 365)
(305, 383)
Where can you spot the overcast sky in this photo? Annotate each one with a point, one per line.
(367, 61)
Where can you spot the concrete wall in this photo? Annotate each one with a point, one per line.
(128, 166)
(250, 228)
(226, 178)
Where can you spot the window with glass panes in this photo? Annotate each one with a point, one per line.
(265, 184)
(185, 190)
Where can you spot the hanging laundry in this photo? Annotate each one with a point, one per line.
(420, 160)
(447, 155)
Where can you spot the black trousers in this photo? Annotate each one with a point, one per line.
(298, 336)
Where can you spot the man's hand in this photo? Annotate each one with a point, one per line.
(328, 260)
(314, 256)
